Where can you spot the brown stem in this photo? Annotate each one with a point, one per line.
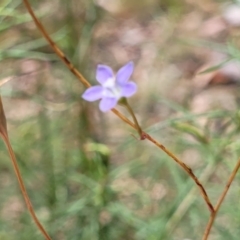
(55, 47)
(116, 112)
(186, 168)
(126, 104)
(4, 135)
(220, 200)
(22, 186)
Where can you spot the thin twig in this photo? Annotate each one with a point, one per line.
(188, 200)
(220, 200)
(57, 50)
(139, 129)
(81, 78)
(186, 168)
(4, 135)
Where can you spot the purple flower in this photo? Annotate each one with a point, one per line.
(112, 87)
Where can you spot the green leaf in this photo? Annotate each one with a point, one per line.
(192, 130)
(213, 68)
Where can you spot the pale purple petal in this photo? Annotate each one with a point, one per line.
(124, 73)
(107, 104)
(129, 89)
(103, 73)
(93, 93)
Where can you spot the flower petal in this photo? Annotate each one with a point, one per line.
(107, 104)
(128, 89)
(103, 73)
(124, 73)
(93, 93)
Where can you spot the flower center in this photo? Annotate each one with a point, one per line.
(111, 89)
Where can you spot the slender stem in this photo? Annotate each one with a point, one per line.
(220, 200)
(188, 200)
(22, 186)
(186, 168)
(115, 111)
(126, 104)
(55, 47)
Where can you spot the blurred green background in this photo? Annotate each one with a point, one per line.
(87, 177)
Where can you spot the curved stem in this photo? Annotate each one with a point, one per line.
(188, 200)
(22, 186)
(126, 104)
(4, 135)
(55, 47)
(220, 200)
(115, 111)
(186, 168)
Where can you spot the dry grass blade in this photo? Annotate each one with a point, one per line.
(4, 135)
